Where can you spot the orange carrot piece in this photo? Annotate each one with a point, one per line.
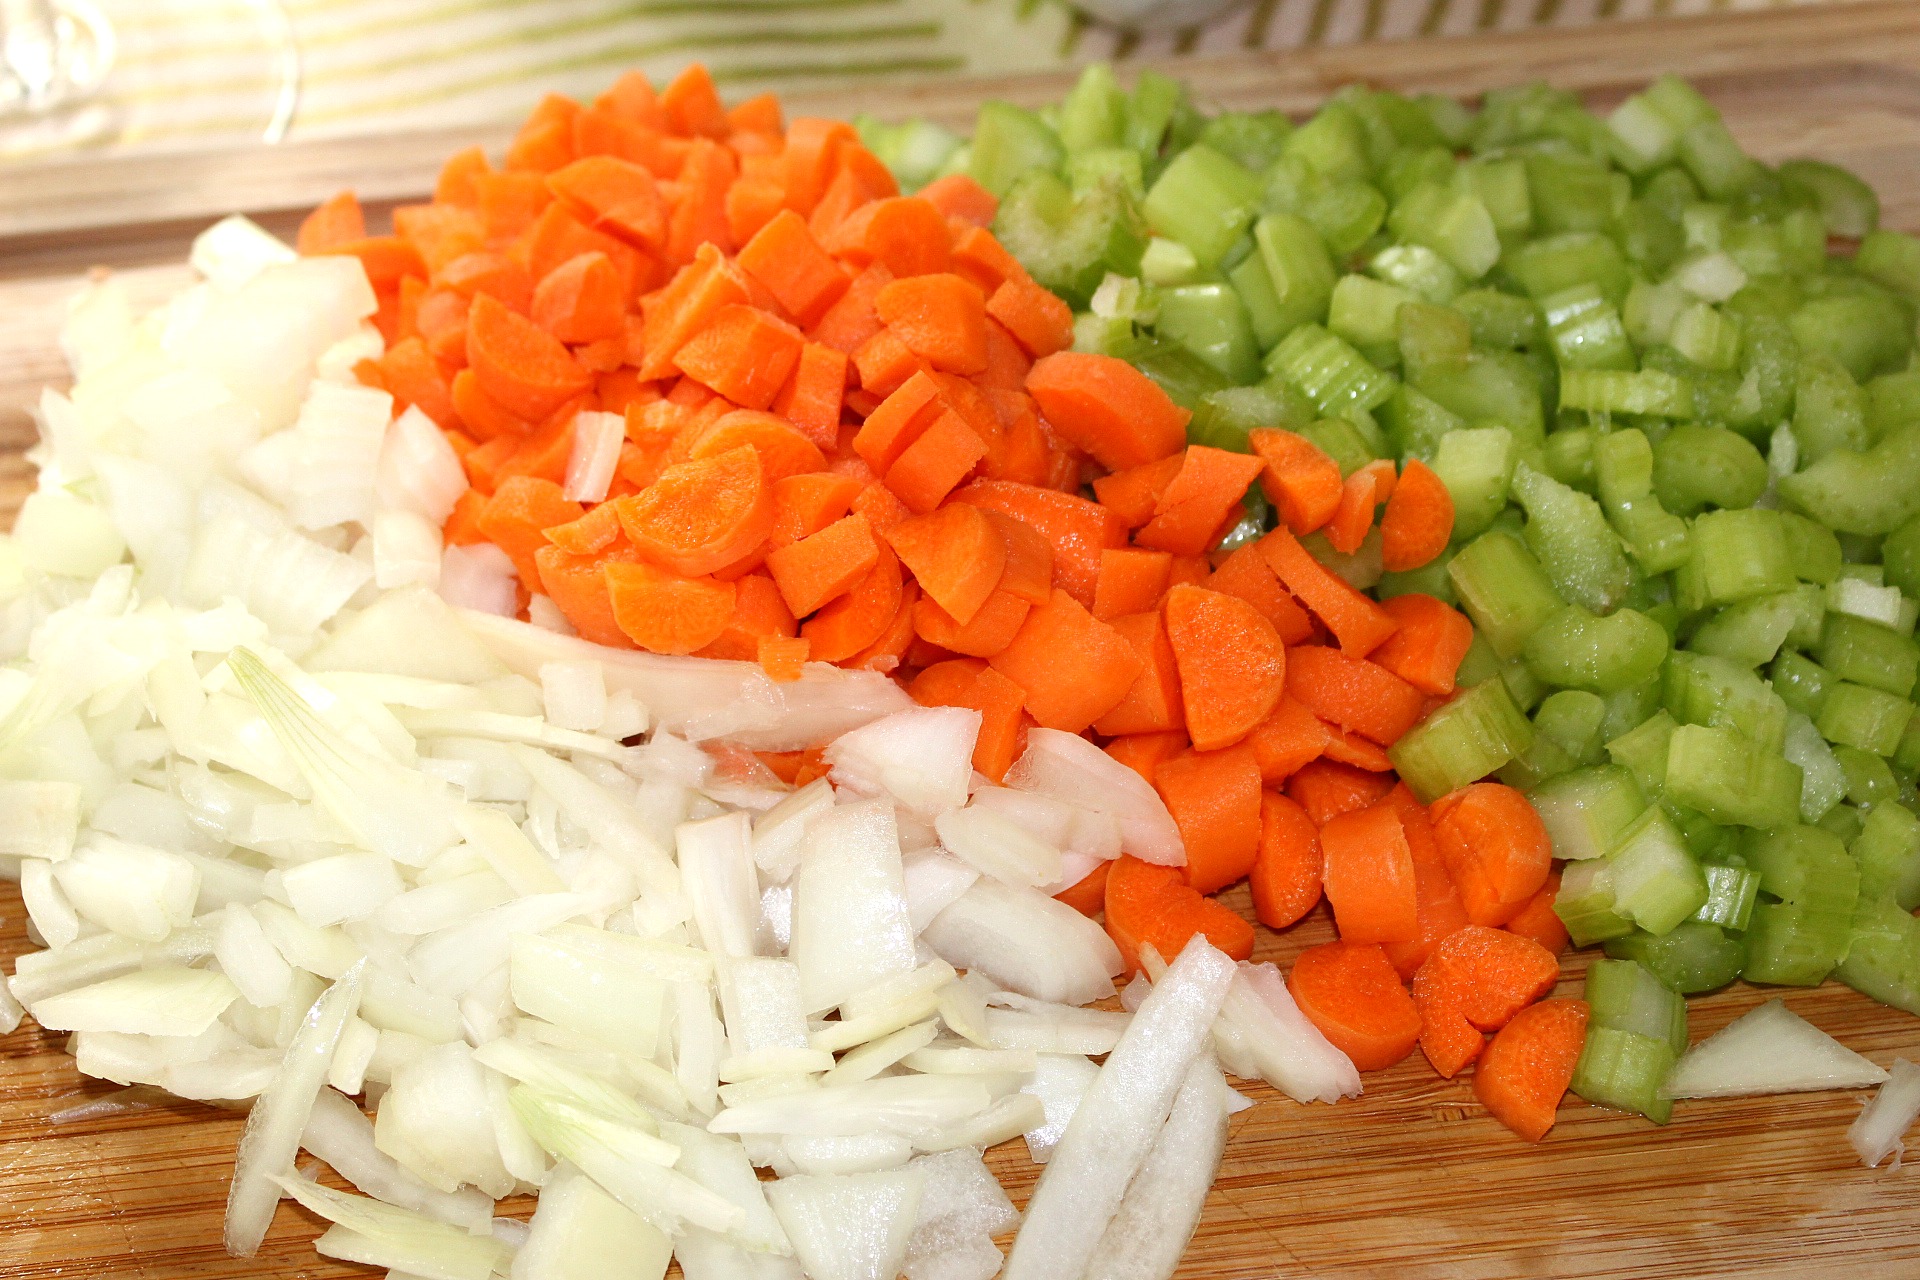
(743, 354)
(1041, 323)
(957, 556)
(1419, 519)
(1353, 693)
(703, 515)
(758, 114)
(783, 658)
(578, 585)
(959, 196)
(848, 323)
(495, 274)
(969, 682)
(1287, 741)
(824, 565)
(1149, 904)
(882, 510)
(518, 364)
(508, 203)
(598, 528)
(783, 451)
(990, 630)
(1288, 870)
(1351, 748)
(545, 141)
(897, 422)
(1357, 623)
(1245, 573)
(812, 145)
(337, 221)
(415, 378)
(1202, 495)
(687, 305)
(1526, 1070)
(1088, 895)
(615, 196)
(1349, 991)
(1144, 753)
(1369, 875)
(581, 300)
(941, 318)
(883, 363)
(1496, 847)
(1214, 797)
(856, 619)
(517, 517)
(1074, 667)
(1232, 665)
(1440, 912)
(1476, 980)
(784, 256)
(455, 185)
(1539, 921)
(1152, 703)
(939, 459)
(663, 612)
(1007, 363)
(1029, 569)
(1301, 481)
(984, 260)
(812, 396)
(463, 523)
(1326, 788)
(889, 650)
(758, 614)
(1361, 493)
(1427, 649)
(1134, 494)
(1130, 582)
(1107, 408)
(806, 504)
(1077, 530)
(908, 235)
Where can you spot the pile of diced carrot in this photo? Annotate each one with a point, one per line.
(852, 432)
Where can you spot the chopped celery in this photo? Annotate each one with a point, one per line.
(1855, 716)
(1094, 113)
(1883, 954)
(1254, 139)
(1697, 465)
(1624, 1070)
(1861, 491)
(1151, 107)
(1340, 440)
(1649, 392)
(1575, 649)
(1007, 143)
(1805, 866)
(1204, 200)
(1866, 653)
(1707, 690)
(1794, 946)
(1453, 224)
(1585, 903)
(1586, 810)
(1692, 957)
(1815, 552)
(1504, 590)
(1752, 631)
(1656, 881)
(1893, 400)
(1731, 893)
(1552, 263)
(1585, 329)
(1338, 379)
(1848, 205)
(1461, 742)
(1299, 271)
(1333, 144)
(1626, 996)
(1069, 244)
(1364, 311)
(1891, 257)
(1870, 780)
(1735, 555)
(1501, 320)
(1223, 418)
(1208, 320)
(1418, 270)
(1432, 337)
(1184, 376)
(1887, 851)
(1581, 554)
(1086, 170)
(1494, 387)
(1624, 471)
(1721, 773)
(1476, 465)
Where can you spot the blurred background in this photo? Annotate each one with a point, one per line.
(115, 75)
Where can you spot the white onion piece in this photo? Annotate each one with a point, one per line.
(850, 923)
(853, 1226)
(597, 438)
(340, 431)
(479, 578)
(716, 867)
(338, 1133)
(1770, 1049)
(911, 1106)
(1120, 1117)
(1060, 1080)
(976, 1259)
(721, 1166)
(1287, 1050)
(406, 550)
(923, 758)
(962, 1201)
(579, 1232)
(1163, 1203)
(1026, 942)
(1074, 771)
(1038, 1026)
(418, 470)
(379, 1234)
(162, 1001)
(997, 847)
(235, 249)
(1878, 1132)
(934, 882)
(574, 695)
(278, 1118)
(554, 978)
(38, 819)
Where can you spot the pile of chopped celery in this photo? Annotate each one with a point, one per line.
(1673, 394)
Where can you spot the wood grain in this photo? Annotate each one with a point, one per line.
(1413, 1181)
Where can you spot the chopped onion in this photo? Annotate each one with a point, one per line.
(1074, 771)
(1281, 1045)
(1026, 942)
(235, 249)
(135, 890)
(382, 1235)
(38, 819)
(418, 470)
(163, 1001)
(1163, 1203)
(850, 923)
(406, 550)
(480, 578)
(1770, 1049)
(338, 1133)
(1043, 1027)
(1878, 1132)
(997, 847)
(597, 438)
(579, 1232)
(574, 695)
(923, 758)
(551, 976)
(1060, 1080)
(934, 882)
(850, 1226)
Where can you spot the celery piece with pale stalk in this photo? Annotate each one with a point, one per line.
(1575, 649)
(1768, 1050)
(1585, 811)
(1463, 741)
(1691, 957)
(1656, 881)
(1476, 465)
(1723, 775)
(1887, 851)
(1582, 556)
(1504, 590)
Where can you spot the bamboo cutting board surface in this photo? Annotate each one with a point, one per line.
(1412, 1181)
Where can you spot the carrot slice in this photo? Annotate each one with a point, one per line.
(1526, 1070)
(1214, 797)
(744, 354)
(848, 323)
(1353, 693)
(1539, 921)
(758, 614)
(1350, 992)
(1288, 869)
(941, 318)
(1287, 740)
(824, 565)
(1245, 573)
(805, 504)
(1152, 703)
(989, 631)
(941, 457)
(578, 585)
(1369, 875)
(1077, 530)
(1088, 895)
(861, 616)
(581, 300)
(518, 364)
(1130, 582)
(1041, 323)
(1074, 667)
(783, 658)
(615, 196)
(410, 372)
(812, 396)
(905, 234)
(812, 145)
(1300, 480)
(472, 274)
(1326, 788)
(959, 196)
(455, 185)
(1476, 980)
(957, 556)
(1144, 753)
(702, 515)
(1153, 904)
(1419, 519)
(663, 612)
(969, 682)
(1232, 665)
(984, 260)
(1496, 848)
(691, 299)
(1427, 649)
(517, 517)
(1029, 568)
(1357, 623)
(1134, 494)
(882, 510)
(1107, 408)
(337, 221)
(1440, 912)
(784, 452)
(784, 256)
(1191, 510)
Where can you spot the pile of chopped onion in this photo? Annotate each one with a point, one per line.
(469, 908)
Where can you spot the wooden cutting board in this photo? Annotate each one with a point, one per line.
(1412, 1181)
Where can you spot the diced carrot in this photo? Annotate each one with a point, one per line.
(1357, 623)
(578, 585)
(743, 354)
(508, 203)
(969, 682)
(783, 658)
(703, 515)
(632, 98)
(455, 185)
(1352, 692)
(1539, 921)
(482, 463)
(517, 517)
(1232, 665)
(862, 615)
(544, 451)
(1301, 481)
(1134, 494)
(1287, 740)
(686, 306)
(783, 451)
(1325, 789)
(1078, 530)
(1214, 797)
(758, 114)
(439, 233)
(1245, 573)
(896, 640)
(1130, 582)
(1040, 322)
(1074, 667)
(1476, 980)
(1429, 645)
(1365, 489)
(410, 372)
(615, 196)
(1350, 992)
(519, 365)
(941, 318)
(663, 612)
(1351, 748)
(1152, 703)
(824, 565)
(956, 554)
(851, 321)
(929, 468)
(581, 300)
(557, 236)
(545, 141)
(758, 614)
(1107, 408)
(1496, 847)
(1201, 496)
(907, 234)
(1007, 364)
(598, 528)
(463, 523)
(959, 196)
(751, 204)
(882, 510)
(494, 274)
(1149, 904)
(1029, 568)
(897, 422)
(784, 256)
(812, 145)
(1369, 875)
(1526, 1070)
(1440, 912)
(812, 396)
(1144, 753)
(859, 181)
(1088, 895)
(884, 363)
(337, 221)
(806, 504)
(1287, 872)
(990, 630)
